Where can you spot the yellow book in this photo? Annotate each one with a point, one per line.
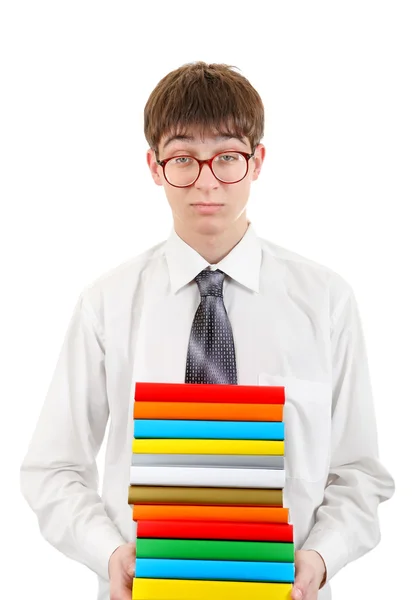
(204, 446)
(196, 589)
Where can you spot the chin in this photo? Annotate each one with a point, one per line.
(209, 226)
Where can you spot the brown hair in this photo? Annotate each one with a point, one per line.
(208, 97)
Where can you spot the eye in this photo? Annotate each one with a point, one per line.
(227, 157)
(181, 160)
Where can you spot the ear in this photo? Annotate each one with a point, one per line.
(155, 169)
(258, 158)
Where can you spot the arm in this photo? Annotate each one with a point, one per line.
(59, 477)
(346, 524)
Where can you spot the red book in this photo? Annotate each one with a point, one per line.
(207, 530)
(209, 392)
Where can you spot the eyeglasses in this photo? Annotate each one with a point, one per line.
(227, 167)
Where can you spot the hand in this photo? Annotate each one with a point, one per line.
(121, 569)
(310, 573)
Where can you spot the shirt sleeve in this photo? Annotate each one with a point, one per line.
(346, 525)
(59, 476)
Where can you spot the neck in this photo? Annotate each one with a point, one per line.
(214, 247)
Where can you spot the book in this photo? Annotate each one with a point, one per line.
(186, 446)
(260, 461)
(195, 589)
(208, 392)
(207, 476)
(207, 530)
(197, 512)
(198, 495)
(208, 410)
(219, 430)
(166, 568)
(215, 550)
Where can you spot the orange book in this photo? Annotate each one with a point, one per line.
(208, 411)
(188, 512)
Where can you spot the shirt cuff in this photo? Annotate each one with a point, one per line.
(101, 544)
(331, 546)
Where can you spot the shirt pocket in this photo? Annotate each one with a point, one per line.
(307, 419)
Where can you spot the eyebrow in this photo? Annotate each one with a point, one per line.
(190, 138)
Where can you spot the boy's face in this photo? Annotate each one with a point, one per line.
(230, 200)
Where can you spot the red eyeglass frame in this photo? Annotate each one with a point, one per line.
(208, 161)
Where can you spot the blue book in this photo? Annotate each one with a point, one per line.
(218, 430)
(230, 570)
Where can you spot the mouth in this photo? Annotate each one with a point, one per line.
(207, 208)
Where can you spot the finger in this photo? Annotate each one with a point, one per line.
(304, 592)
(301, 586)
(130, 561)
(131, 569)
(296, 593)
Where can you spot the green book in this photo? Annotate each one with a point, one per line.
(214, 550)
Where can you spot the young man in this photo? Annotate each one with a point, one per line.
(277, 319)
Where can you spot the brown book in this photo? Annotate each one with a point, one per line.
(149, 494)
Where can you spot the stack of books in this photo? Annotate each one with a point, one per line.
(206, 489)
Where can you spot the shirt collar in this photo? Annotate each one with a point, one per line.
(242, 263)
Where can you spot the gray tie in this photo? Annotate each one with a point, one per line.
(211, 356)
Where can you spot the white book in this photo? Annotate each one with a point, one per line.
(207, 477)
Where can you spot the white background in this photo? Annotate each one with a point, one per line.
(77, 199)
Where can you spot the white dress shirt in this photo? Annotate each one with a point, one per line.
(295, 323)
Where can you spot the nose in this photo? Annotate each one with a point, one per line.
(206, 178)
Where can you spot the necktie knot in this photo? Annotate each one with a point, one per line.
(210, 283)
